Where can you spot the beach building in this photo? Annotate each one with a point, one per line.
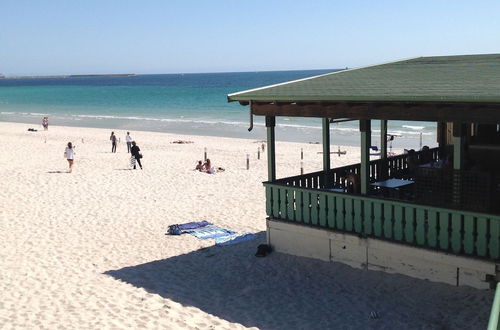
(433, 214)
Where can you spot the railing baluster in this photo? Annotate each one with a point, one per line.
(276, 204)
(306, 195)
(469, 234)
(368, 218)
(432, 231)
(358, 218)
(377, 218)
(299, 206)
(340, 212)
(331, 210)
(456, 232)
(420, 230)
(409, 222)
(290, 212)
(444, 234)
(323, 209)
(314, 208)
(494, 246)
(388, 220)
(482, 236)
(348, 220)
(398, 222)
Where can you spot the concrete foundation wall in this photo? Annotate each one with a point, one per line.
(373, 254)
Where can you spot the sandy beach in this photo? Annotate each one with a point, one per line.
(88, 250)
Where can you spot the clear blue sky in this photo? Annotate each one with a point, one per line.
(170, 36)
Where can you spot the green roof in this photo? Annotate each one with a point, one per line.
(464, 78)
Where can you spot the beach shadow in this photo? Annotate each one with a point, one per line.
(124, 169)
(287, 292)
(56, 172)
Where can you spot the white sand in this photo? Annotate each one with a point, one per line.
(87, 250)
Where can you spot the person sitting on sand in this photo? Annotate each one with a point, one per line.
(199, 167)
(207, 167)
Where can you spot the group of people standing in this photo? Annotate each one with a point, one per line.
(132, 148)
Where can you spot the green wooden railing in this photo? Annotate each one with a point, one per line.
(456, 231)
(493, 324)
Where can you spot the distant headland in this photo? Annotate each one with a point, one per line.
(71, 76)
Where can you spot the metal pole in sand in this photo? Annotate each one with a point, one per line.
(205, 154)
(301, 153)
(248, 161)
(258, 153)
(301, 168)
(263, 147)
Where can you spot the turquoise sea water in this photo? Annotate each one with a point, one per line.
(176, 103)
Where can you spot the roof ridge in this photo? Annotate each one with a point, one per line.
(314, 77)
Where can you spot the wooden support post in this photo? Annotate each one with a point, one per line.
(326, 144)
(458, 160)
(383, 139)
(326, 152)
(458, 145)
(271, 151)
(365, 129)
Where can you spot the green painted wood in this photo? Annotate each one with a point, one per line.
(364, 127)
(269, 199)
(307, 207)
(432, 230)
(271, 154)
(368, 217)
(323, 210)
(494, 246)
(420, 230)
(383, 139)
(456, 232)
(482, 236)
(377, 218)
(349, 218)
(398, 223)
(290, 201)
(326, 144)
(331, 210)
(314, 208)
(276, 204)
(283, 204)
(358, 216)
(409, 224)
(444, 234)
(388, 221)
(299, 206)
(340, 212)
(469, 234)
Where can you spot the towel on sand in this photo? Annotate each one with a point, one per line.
(186, 227)
(210, 231)
(234, 239)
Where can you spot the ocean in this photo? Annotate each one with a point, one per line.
(194, 104)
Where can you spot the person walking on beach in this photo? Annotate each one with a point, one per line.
(45, 123)
(135, 151)
(128, 138)
(69, 154)
(113, 142)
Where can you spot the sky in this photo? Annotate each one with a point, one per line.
(55, 37)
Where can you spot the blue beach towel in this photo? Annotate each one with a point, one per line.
(234, 239)
(210, 231)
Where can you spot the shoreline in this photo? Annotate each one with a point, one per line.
(294, 133)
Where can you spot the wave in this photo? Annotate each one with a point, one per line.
(414, 127)
(412, 130)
